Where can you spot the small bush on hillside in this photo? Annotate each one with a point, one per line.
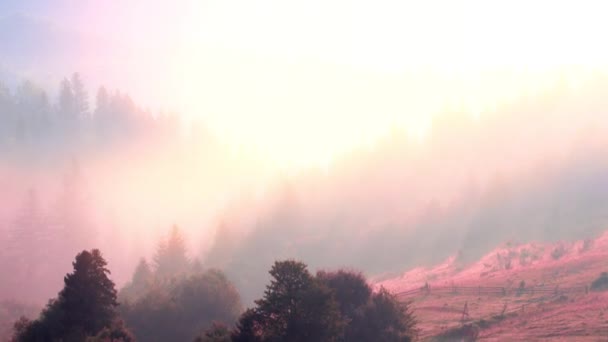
(558, 252)
(600, 283)
(522, 288)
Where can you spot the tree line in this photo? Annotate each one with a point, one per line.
(175, 299)
(30, 120)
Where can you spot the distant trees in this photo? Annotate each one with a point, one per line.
(338, 306)
(31, 121)
(176, 300)
(197, 305)
(141, 281)
(179, 310)
(33, 113)
(85, 307)
(171, 259)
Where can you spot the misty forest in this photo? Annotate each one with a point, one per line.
(127, 218)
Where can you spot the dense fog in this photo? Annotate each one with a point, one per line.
(109, 174)
(196, 146)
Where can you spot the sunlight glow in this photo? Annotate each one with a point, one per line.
(302, 81)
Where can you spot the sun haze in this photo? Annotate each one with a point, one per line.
(233, 154)
(303, 81)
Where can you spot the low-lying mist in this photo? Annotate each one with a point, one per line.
(114, 176)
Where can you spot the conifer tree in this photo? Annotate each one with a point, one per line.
(85, 306)
(171, 255)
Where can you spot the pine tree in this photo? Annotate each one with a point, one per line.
(88, 299)
(84, 307)
(171, 255)
(142, 277)
(67, 103)
(33, 109)
(295, 307)
(81, 98)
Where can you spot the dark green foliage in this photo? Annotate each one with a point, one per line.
(218, 332)
(351, 290)
(295, 307)
(383, 318)
(86, 305)
(600, 283)
(88, 299)
(370, 316)
(178, 310)
(333, 306)
(249, 328)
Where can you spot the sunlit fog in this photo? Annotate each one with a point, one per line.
(394, 148)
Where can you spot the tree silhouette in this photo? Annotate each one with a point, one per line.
(383, 318)
(81, 98)
(84, 307)
(295, 307)
(351, 290)
(333, 306)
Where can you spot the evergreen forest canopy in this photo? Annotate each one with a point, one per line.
(186, 303)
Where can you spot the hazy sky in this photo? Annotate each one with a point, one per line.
(304, 80)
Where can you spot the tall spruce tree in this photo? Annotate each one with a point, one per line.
(84, 307)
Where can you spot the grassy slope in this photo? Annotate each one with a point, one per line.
(531, 316)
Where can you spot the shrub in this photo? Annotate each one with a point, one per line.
(333, 306)
(600, 283)
(522, 288)
(558, 252)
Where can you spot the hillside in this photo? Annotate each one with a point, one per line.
(517, 292)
